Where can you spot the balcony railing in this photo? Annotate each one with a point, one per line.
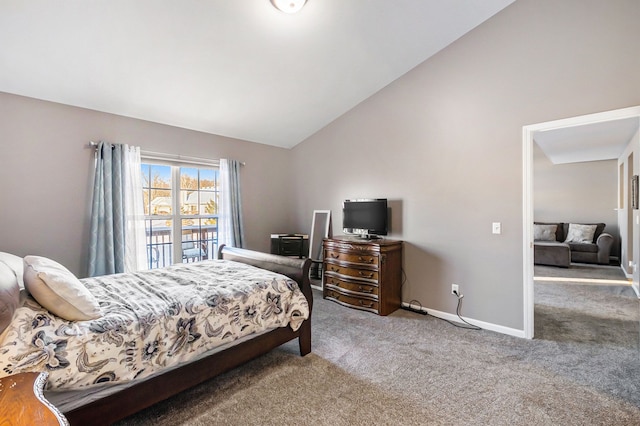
(198, 243)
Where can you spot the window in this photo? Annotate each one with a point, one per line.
(180, 204)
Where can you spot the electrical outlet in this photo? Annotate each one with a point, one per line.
(454, 289)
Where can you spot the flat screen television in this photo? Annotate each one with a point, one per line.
(367, 218)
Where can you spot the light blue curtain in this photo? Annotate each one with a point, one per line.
(117, 238)
(231, 230)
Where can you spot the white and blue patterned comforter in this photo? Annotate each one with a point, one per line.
(151, 320)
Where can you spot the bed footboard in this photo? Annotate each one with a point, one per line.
(296, 269)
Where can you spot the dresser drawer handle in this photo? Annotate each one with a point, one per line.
(334, 255)
(335, 269)
(369, 305)
(365, 290)
(365, 275)
(365, 259)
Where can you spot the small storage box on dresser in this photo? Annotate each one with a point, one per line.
(363, 274)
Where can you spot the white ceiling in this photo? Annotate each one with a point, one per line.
(588, 142)
(238, 68)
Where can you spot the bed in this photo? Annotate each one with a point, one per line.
(99, 399)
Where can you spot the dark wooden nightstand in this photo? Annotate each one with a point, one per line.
(293, 245)
(22, 401)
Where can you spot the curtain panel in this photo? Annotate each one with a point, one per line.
(231, 230)
(117, 239)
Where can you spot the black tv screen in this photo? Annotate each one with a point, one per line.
(366, 217)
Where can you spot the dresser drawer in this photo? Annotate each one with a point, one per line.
(359, 288)
(358, 258)
(352, 301)
(365, 274)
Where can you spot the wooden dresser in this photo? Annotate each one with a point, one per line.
(363, 274)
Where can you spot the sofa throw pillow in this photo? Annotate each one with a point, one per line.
(544, 232)
(58, 290)
(580, 233)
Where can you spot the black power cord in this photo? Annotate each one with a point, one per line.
(421, 310)
(411, 308)
(471, 326)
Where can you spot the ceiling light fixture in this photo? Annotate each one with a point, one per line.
(288, 6)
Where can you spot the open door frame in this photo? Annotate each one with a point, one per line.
(528, 133)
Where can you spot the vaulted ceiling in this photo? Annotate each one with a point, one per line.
(237, 68)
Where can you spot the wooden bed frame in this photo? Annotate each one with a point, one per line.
(135, 398)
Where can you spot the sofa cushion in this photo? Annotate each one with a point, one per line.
(583, 247)
(551, 253)
(599, 230)
(544, 232)
(560, 233)
(580, 233)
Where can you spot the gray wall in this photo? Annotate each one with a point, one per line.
(578, 192)
(46, 171)
(444, 143)
(445, 140)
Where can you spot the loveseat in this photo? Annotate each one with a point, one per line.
(559, 244)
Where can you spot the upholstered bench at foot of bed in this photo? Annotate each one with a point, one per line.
(551, 253)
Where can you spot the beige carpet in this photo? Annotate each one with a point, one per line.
(414, 370)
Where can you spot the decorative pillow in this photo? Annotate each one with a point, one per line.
(58, 290)
(15, 264)
(544, 232)
(580, 233)
(9, 295)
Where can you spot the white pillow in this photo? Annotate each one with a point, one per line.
(580, 233)
(544, 232)
(58, 290)
(15, 264)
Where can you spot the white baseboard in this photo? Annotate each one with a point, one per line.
(484, 325)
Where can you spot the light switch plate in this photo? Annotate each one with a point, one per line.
(497, 228)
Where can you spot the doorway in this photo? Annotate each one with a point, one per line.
(528, 134)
